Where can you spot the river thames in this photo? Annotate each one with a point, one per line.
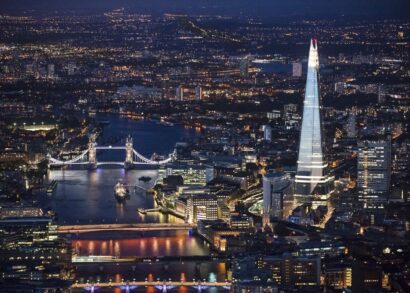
(84, 197)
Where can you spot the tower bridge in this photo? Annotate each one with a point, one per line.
(89, 156)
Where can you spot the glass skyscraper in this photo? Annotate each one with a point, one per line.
(373, 171)
(313, 183)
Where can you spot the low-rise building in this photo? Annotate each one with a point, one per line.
(202, 207)
(322, 248)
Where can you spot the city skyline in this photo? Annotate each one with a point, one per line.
(202, 146)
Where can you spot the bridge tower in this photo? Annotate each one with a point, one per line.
(128, 153)
(92, 152)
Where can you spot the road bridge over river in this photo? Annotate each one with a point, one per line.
(75, 229)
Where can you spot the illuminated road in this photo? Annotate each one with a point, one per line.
(124, 227)
(327, 217)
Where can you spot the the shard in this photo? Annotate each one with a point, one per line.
(313, 183)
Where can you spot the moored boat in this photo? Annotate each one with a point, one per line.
(51, 187)
(144, 178)
(121, 192)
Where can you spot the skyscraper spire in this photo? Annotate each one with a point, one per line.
(312, 181)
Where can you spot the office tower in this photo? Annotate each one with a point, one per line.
(291, 116)
(274, 114)
(381, 95)
(267, 132)
(338, 276)
(32, 255)
(290, 108)
(351, 126)
(30, 69)
(50, 71)
(340, 87)
(244, 67)
(366, 276)
(298, 271)
(5, 69)
(313, 183)
(286, 271)
(373, 171)
(297, 69)
(179, 94)
(198, 93)
(71, 68)
(275, 187)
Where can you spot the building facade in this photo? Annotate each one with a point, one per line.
(275, 187)
(296, 69)
(373, 171)
(267, 133)
(179, 93)
(202, 207)
(193, 174)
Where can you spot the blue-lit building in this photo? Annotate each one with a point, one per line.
(275, 187)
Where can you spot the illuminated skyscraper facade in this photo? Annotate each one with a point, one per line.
(373, 171)
(275, 187)
(313, 183)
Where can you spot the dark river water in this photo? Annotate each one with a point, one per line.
(148, 136)
(84, 197)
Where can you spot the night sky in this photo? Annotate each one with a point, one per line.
(259, 8)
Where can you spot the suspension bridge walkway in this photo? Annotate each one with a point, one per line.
(89, 156)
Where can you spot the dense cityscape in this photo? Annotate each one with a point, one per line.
(189, 152)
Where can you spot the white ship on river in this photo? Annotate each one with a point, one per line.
(121, 192)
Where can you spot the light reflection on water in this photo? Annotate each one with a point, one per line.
(165, 244)
(174, 271)
(172, 243)
(83, 196)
